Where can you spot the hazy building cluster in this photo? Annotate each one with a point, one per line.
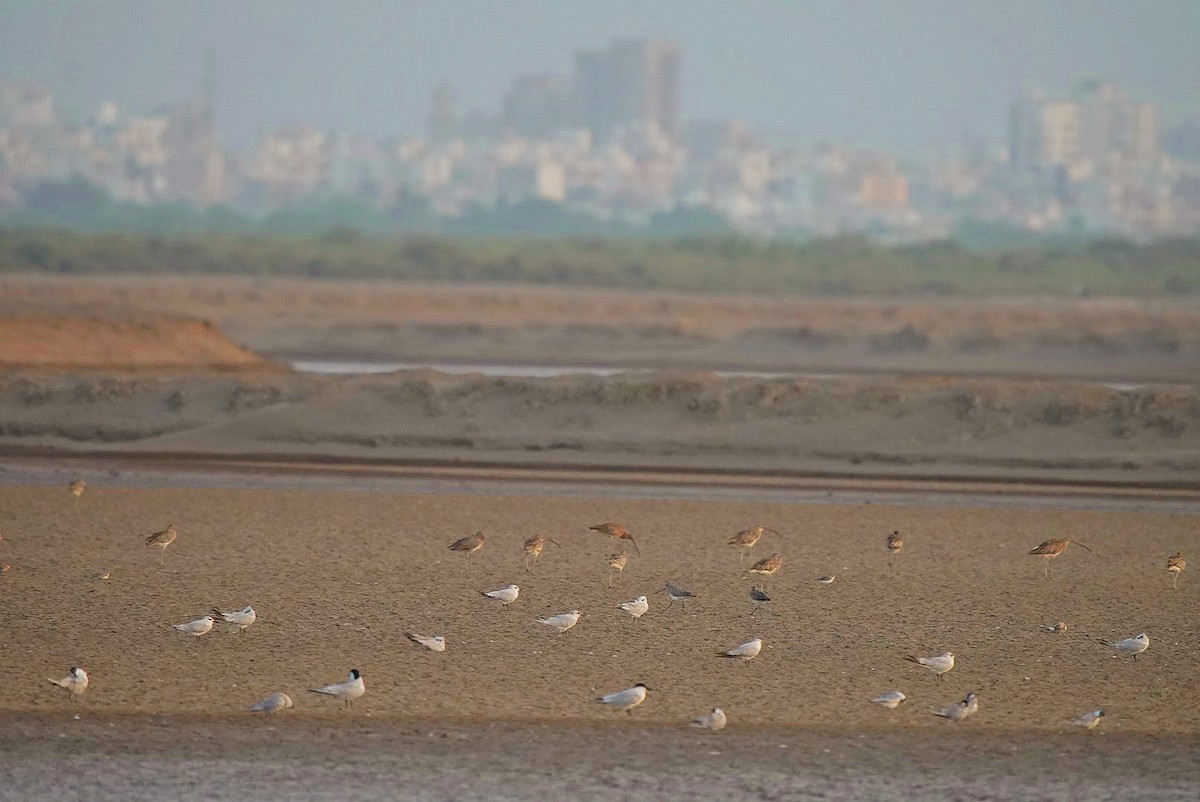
(609, 141)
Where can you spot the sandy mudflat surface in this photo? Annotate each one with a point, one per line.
(338, 577)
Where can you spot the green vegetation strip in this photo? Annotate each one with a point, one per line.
(728, 263)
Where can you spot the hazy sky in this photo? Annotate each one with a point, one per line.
(903, 75)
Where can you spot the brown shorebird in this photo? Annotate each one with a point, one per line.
(470, 544)
(617, 532)
(533, 549)
(163, 539)
(768, 566)
(616, 562)
(77, 487)
(895, 542)
(745, 539)
(1176, 566)
(1051, 549)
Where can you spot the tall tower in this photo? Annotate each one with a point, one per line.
(634, 80)
(444, 122)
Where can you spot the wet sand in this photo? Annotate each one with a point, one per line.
(135, 757)
(337, 577)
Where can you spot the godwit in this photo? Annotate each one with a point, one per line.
(617, 532)
(163, 539)
(77, 487)
(616, 562)
(470, 544)
(747, 538)
(768, 566)
(533, 549)
(1175, 567)
(1051, 549)
(895, 542)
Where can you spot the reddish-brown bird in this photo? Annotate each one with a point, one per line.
(1176, 566)
(1051, 549)
(617, 532)
(77, 487)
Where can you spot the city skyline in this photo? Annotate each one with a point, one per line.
(930, 75)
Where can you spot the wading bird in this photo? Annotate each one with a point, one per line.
(470, 544)
(747, 538)
(1176, 566)
(1051, 549)
(163, 539)
(768, 566)
(616, 564)
(533, 549)
(617, 532)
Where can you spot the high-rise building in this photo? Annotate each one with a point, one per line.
(537, 105)
(633, 81)
(444, 122)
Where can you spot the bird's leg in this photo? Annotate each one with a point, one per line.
(1174, 579)
(755, 610)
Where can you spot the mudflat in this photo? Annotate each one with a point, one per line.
(337, 578)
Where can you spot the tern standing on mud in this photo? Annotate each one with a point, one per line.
(346, 691)
(938, 664)
(75, 683)
(627, 699)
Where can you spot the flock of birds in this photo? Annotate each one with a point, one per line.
(76, 681)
